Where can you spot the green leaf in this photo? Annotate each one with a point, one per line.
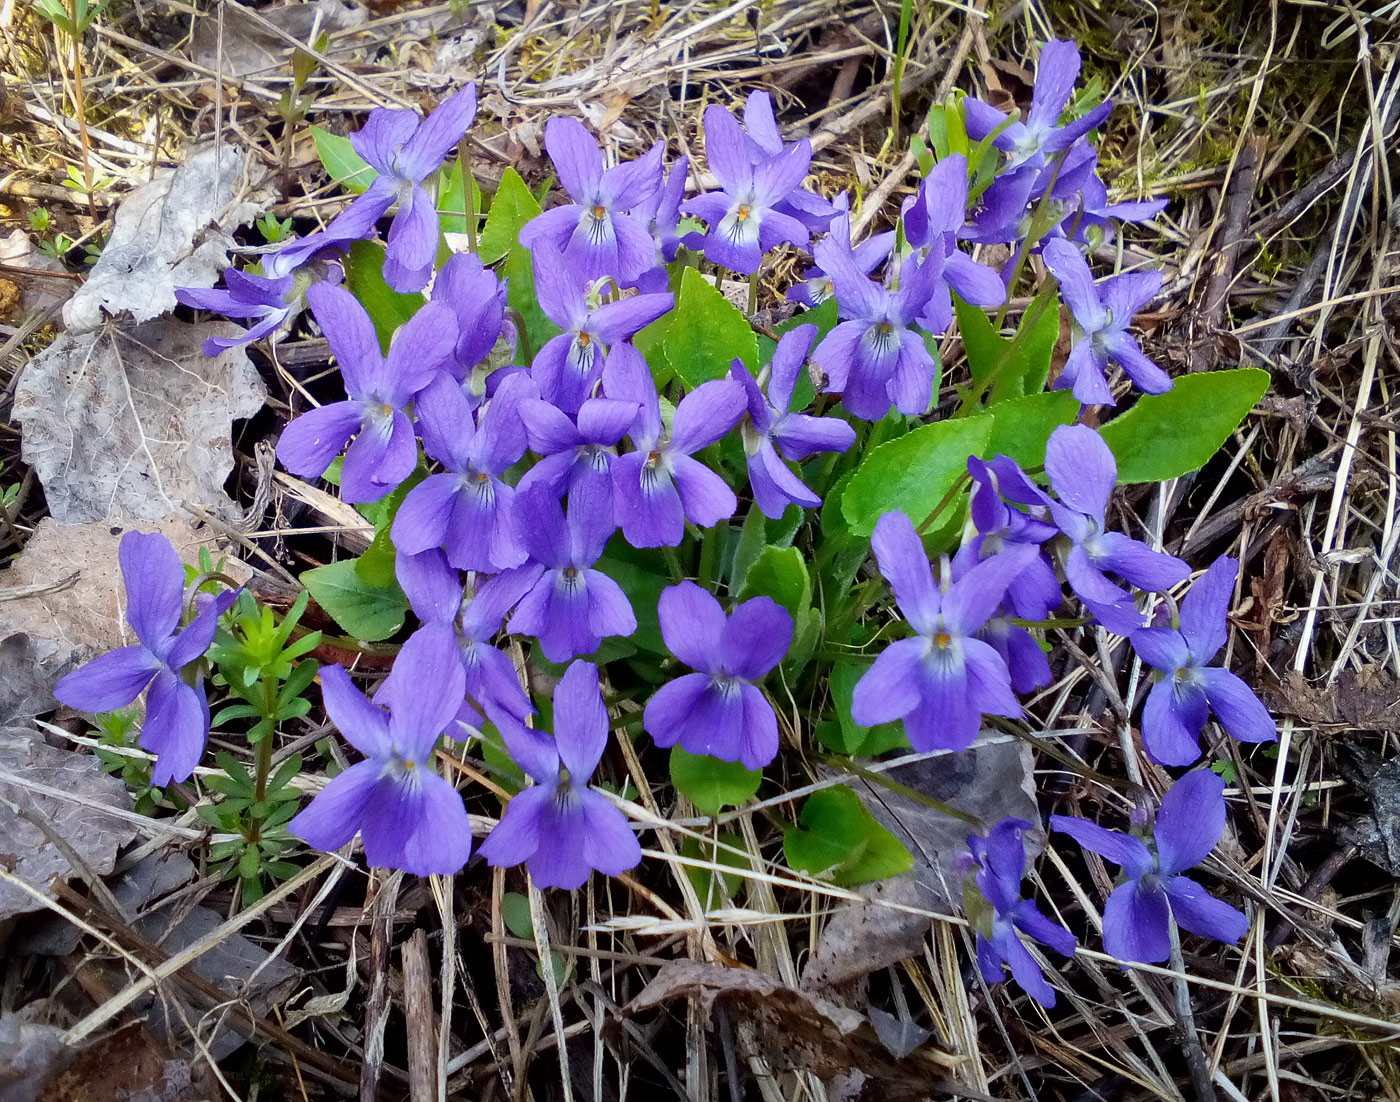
(704, 334)
(912, 473)
(515, 912)
(520, 294)
(1022, 426)
(753, 537)
(643, 586)
(710, 784)
(824, 317)
(856, 740)
(376, 565)
(366, 612)
(452, 199)
(1012, 366)
(838, 836)
(387, 308)
(1168, 435)
(780, 573)
(511, 208)
(342, 162)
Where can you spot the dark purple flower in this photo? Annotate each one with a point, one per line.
(385, 450)
(576, 455)
(1083, 473)
(873, 358)
(720, 710)
(467, 508)
(660, 484)
(1189, 690)
(434, 589)
(408, 817)
(745, 219)
(771, 434)
(176, 726)
(997, 484)
(1000, 859)
(478, 299)
(765, 143)
(661, 212)
(1028, 142)
(1137, 917)
(569, 365)
(244, 295)
(560, 827)
(569, 606)
(405, 150)
(1002, 217)
(1103, 313)
(942, 681)
(932, 221)
(816, 286)
(593, 232)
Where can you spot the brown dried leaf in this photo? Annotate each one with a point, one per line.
(84, 618)
(991, 781)
(792, 1028)
(135, 423)
(1368, 700)
(78, 818)
(131, 1065)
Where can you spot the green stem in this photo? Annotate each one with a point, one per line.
(900, 54)
(710, 547)
(263, 764)
(1038, 229)
(464, 161)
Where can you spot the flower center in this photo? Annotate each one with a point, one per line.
(743, 213)
(943, 639)
(599, 211)
(584, 339)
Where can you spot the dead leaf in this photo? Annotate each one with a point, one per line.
(132, 424)
(129, 1064)
(36, 291)
(991, 781)
(249, 47)
(29, 669)
(792, 1028)
(1365, 700)
(84, 618)
(31, 1053)
(171, 232)
(1377, 833)
(79, 820)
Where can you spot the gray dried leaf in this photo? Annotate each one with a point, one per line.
(991, 781)
(29, 669)
(171, 232)
(250, 48)
(900, 1036)
(80, 818)
(133, 424)
(31, 1053)
(37, 292)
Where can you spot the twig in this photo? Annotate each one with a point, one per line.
(420, 1019)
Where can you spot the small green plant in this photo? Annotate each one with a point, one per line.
(274, 230)
(267, 674)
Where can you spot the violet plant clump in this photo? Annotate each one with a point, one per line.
(613, 501)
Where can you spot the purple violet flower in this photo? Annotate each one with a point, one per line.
(720, 710)
(576, 455)
(1000, 860)
(932, 221)
(744, 217)
(769, 429)
(1103, 313)
(661, 214)
(405, 150)
(176, 726)
(559, 826)
(766, 142)
(244, 295)
(1028, 142)
(435, 592)
(408, 817)
(1036, 592)
(593, 232)
(1137, 917)
(1083, 473)
(384, 451)
(816, 286)
(942, 681)
(1189, 690)
(567, 604)
(467, 508)
(478, 299)
(569, 365)
(873, 358)
(660, 485)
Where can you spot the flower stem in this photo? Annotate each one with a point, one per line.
(1186, 1023)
